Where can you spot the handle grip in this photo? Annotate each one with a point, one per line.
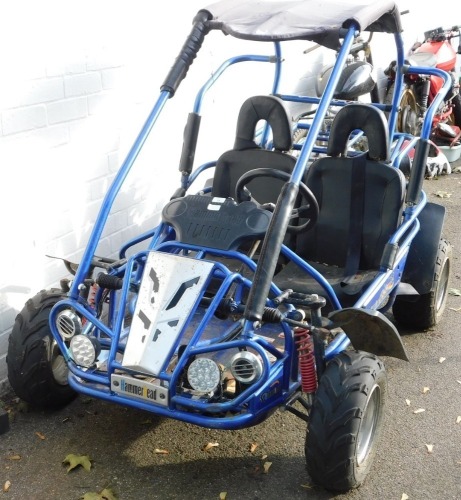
(188, 53)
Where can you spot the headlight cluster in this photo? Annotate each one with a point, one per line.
(84, 349)
(205, 375)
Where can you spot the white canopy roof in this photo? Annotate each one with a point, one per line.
(316, 20)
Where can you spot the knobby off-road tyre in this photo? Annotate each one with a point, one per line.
(36, 368)
(426, 310)
(346, 421)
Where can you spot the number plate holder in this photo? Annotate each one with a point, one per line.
(147, 390)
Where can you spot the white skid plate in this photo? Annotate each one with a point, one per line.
(148, 390)
(169, 289)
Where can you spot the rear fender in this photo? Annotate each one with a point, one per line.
(420, 264)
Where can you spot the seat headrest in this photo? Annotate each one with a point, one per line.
(270, 109)
(360, 117)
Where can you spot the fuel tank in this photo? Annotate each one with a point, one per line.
(357, 78)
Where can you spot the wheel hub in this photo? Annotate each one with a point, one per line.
(368, 426)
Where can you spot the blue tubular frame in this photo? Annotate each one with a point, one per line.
(277, 60)
(109, 199)
(279, 368)
(97, 384)
(324, 103)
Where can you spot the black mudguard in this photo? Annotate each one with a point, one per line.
(370, 331)
(420, 264)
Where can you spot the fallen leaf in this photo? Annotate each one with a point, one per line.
(456, 309)
(267, 466)
(14, 457)
(161, 452)
(458, 420)
(264, 457)
(23, 407)
(253, 447)
(6, 486)
(442, 194)
(442, 359)
(419, 410)
(404, 496)
(454, 291)
(408, 402)
(105, 494)
(209, 446)
(76, 460)
(429, 447)
(223, 495)
(425, 390)
(40, 435)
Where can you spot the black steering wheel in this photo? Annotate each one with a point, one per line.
(309, 211)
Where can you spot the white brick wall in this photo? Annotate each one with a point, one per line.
(76, 86)
(74, 92)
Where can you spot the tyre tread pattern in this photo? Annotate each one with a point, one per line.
(29, 354)
(335, 419)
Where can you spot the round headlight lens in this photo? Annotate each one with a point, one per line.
(85, 350)
(204, 375)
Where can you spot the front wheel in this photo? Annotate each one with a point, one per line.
(37, 370)
(424, 311)
(346, 421)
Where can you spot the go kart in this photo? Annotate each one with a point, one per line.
(272, 286)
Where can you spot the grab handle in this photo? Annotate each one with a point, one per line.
(187, 54)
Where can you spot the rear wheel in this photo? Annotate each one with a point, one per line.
(346, 421)
(456, 111)
(407, 117)
(37, 370)
(425, 310)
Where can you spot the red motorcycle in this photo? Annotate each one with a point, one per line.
(436, 51)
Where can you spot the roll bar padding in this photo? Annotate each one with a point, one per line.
(270, 252)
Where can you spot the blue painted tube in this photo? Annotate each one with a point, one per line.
(109, 199)
(447, 82)
(397, 85)
(317, 122)
(228, 423)
(233, 60)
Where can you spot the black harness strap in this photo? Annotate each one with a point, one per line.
(357, 205)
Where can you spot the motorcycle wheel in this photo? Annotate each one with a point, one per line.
(407, 118)
(456, 110)
(37, 370)
(346, 420)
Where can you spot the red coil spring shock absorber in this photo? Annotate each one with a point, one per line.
(305, 347)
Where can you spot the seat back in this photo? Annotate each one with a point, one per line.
(360, 198)
(247, 155)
